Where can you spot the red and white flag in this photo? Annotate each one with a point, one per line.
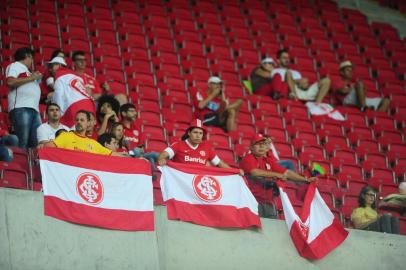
(315, 232)
(71, 96)
(324, 109)
(208, 196)
(97, 190)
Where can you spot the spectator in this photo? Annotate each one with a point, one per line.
(286, 163)
(24, 96)
(91, 131)
(133, 137)
(6, 139)
(215, 108)
(108, 141)
(50, 81)
(396, 200)
(192, 149)
(70, 93)
(365, 216)
(77, 140)
(46, 131)
(351, 91)
(259, 164)
(261, 79)
(91, 84)
(117, 129)
(107, 113)
(298, 86)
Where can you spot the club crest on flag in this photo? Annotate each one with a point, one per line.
(90, 188)
(207, 188)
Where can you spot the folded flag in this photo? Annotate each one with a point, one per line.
(208, 196)
(97, 190)
(316, 232)
(324, 109)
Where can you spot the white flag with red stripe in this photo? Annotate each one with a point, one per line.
(97, 190)
(324, 109)
(208, 196)
(315, 232)
(71, 96)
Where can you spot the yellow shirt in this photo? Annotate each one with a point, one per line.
(73, 141)
(362, 216)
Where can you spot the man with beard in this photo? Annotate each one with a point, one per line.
(77, 140)
(46, 131)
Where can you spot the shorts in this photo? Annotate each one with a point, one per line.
(308, 94)
(352, 99)
(213, 119)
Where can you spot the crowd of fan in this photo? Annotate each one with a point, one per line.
(83, 115)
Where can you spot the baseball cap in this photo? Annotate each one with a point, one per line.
(268, 60)
(345, 64)
(58, 60)
(196, 123)
(258, 138)
(214, 79)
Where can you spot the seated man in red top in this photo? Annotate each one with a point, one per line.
(259, 167)
(192, 149)
(214, 108)
(350, 91)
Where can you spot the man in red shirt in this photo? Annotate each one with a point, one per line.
(214, 108)
(259, 164)
(192, 149)
(351, 91)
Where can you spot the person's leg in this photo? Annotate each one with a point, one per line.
(288, 164)
(153, 158)
(136, 152)
(385, 223)
(395, 227)
(324, 87)
(21, 122)
(291, 84)
(383, 107)
(375, 227)
(236, 105)
(6, 154)
(231, 122)
(35, 123)
(10, 140)
(360, 91)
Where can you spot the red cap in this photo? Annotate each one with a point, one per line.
(196, 123)
(257, 138)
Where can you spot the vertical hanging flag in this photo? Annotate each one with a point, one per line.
(208, 196)
(316, 232)
(97, 190)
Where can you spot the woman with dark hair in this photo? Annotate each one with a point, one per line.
(107, 112)
(365, 216)
(117, 129)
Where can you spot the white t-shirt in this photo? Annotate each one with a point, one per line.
(282, 71)
(26, 95)
(46, 132)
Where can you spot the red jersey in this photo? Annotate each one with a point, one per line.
(250, 162)
(184, 152)
(211, 107)
(91, 83)
(133, 136)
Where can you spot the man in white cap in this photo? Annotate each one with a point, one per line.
(351, 91)
(70, 93)
(192, 149)
(214, 109)
(261, 79)
(298, 86)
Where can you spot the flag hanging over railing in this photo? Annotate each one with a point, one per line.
(97, 190)
(208, 196)
(315, 232)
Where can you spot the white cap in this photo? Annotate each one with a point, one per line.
(268, 60)
(58, 60)
(214, 79)
(345, 64)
